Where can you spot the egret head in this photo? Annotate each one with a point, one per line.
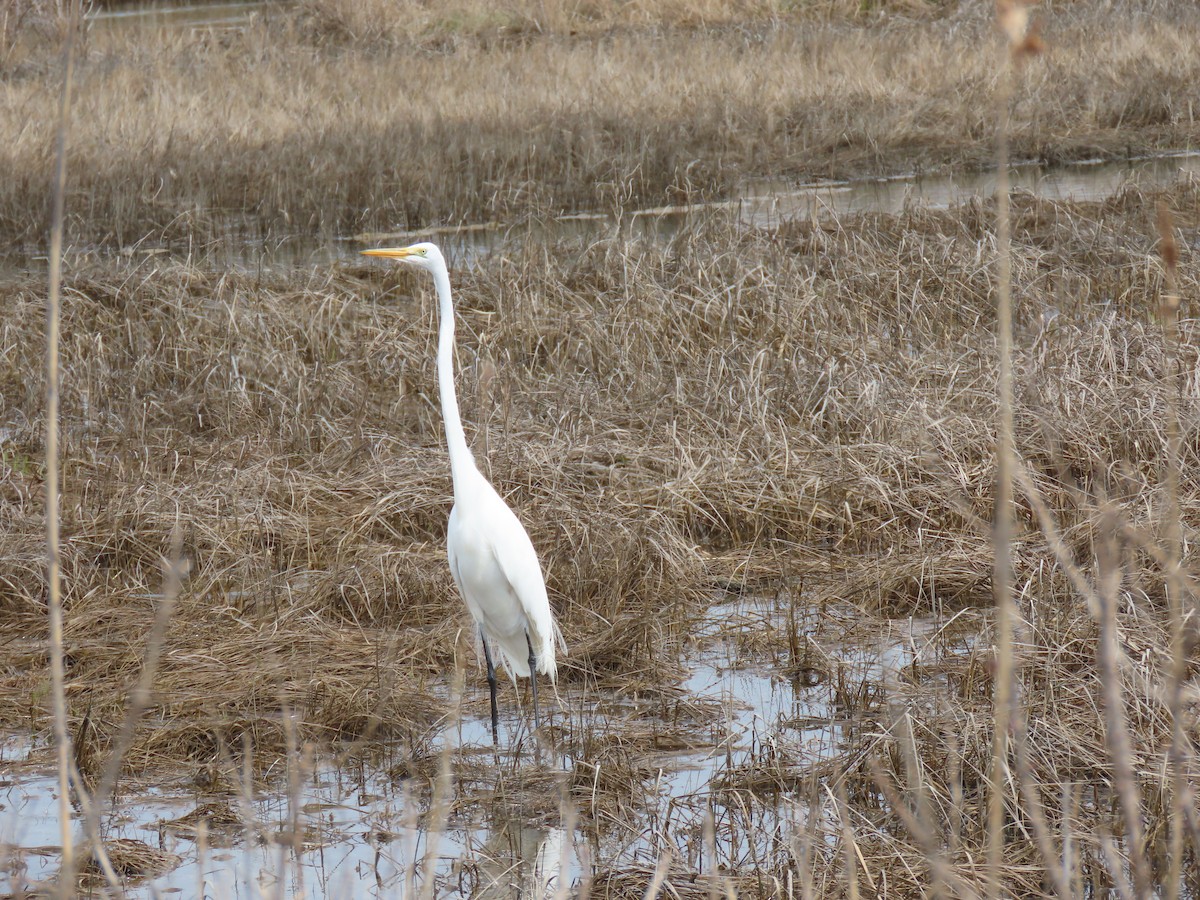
(424, 256)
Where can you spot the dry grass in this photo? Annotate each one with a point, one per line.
(32, 23)
(807, 412)
(734, 409)
(276, 128)
(424, 24)
(323, 528)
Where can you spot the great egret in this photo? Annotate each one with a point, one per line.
(491, 556)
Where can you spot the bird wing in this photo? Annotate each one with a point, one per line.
(516, 558)
(495, 565)
(500, 579)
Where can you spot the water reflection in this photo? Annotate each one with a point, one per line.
(352, 844)
(524, 862)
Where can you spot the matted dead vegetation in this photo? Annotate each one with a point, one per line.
(286, 126)
(809, 406)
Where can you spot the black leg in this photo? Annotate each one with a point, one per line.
(533, 679)
(487, 654)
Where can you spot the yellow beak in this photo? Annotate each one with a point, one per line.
(390, 252)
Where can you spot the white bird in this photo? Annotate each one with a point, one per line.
(491, 556)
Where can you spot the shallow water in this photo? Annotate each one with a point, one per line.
(370, 831)
(359, 839)
(175, 16)
(760, 204)
(771, 203)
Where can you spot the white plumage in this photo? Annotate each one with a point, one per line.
(498, 574)
(490, 553)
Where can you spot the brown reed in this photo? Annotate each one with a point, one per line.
(733, 410)
(1011, 16)
(488, 123)
(53, 496)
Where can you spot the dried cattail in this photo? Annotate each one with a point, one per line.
(1031, 45)
(1013, 18)
(1023, 37)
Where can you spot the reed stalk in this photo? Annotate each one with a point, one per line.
(1118, 741)
(1176, 591)
(139, 699)
(1002, 576)
(53, 491)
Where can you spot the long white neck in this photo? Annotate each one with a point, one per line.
(462, 464)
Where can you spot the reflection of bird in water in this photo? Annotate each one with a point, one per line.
(547, 868)
(491, 557)
(523, 862)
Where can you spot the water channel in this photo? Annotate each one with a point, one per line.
(760, 204)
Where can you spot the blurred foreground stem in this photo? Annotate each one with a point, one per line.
(53, 498)
(1002, 578)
